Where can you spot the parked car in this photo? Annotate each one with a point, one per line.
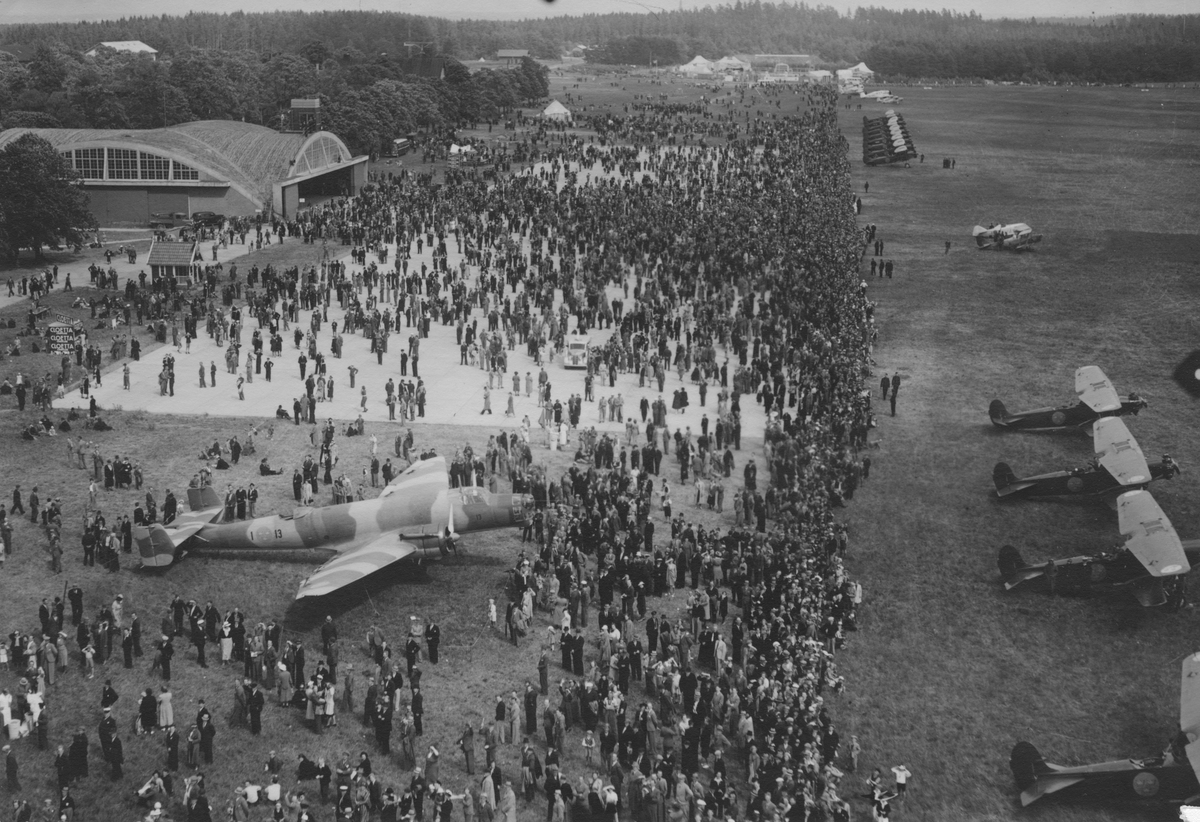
(207, 218)
(167, 219)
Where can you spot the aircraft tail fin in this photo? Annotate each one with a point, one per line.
(1150, 592)
(1010, 561)
(201, 499)
(1027, 765)
(975, 232)
(155, 545)
(1003, 476)
(997, 412)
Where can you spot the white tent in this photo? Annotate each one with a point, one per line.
(862, 71)
(698, 65)
(728, 64)
(818, 75)
(556, 111)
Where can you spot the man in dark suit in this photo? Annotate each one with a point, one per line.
(116, 757)
(255, 703)
(418, 710)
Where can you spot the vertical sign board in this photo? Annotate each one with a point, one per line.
(62, 338)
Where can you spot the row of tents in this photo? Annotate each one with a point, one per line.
(782, 69)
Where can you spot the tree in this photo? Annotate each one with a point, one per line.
(41, 201)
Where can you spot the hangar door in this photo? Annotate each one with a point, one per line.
(167, 200)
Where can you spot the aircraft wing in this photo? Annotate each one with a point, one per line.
(355, 564)
(199, 518)
(1149, 535)
(420, 472)
(1189, 698)
(1118, 451)
(1047, 785)
(204, 506)
(1095, 390)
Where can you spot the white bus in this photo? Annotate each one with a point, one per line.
(577, 352)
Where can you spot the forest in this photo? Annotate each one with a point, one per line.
(368, 101)
(898, 45)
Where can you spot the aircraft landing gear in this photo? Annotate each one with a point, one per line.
(1176, 591)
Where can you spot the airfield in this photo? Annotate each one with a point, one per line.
(947, 670)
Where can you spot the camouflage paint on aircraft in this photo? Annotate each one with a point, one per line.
(417, 514)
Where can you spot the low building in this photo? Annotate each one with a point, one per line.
(226, 166)
(176, 260)
(131, 46)
(432, 68)
(512, 57)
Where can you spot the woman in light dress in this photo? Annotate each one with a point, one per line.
(226, 639)
(166, 711)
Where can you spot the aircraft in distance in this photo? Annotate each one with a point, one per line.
(1171, 777)
(1119, 465)
(1097, 398)
(1014, 236)
(1151, 563)
(416, 515)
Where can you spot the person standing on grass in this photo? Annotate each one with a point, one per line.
(895, 390)
(903, 774)
(884, 382)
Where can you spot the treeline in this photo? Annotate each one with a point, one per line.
(366, 101)
(896, 44)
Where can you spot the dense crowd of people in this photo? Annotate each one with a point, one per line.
(734, 265)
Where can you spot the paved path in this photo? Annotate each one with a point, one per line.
(454, 391)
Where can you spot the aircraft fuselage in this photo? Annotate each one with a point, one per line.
(419, 517)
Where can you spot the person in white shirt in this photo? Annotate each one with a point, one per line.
(252, 792)
(274, 791)
(902, 774)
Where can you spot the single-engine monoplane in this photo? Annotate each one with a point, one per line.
(1151, 562)
(1119, 465)
(417, 515)
(1170, 777)
(1097, 398)
(1014, 236)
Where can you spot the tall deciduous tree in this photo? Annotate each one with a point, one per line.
(41, 201)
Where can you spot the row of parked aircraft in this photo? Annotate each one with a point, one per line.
(1151, 563)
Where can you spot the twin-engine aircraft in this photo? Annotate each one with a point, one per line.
(1014, 237)
(1119, 466)
(417, 515)
(1097, 398)
(1151, 563)
(1171, 777)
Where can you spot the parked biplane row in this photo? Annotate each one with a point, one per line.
(886, 140)
(1150, 562)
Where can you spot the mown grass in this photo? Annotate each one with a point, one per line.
(949, 670)
(476, 664)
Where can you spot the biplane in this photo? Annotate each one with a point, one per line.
(1151, 562)
(1097, 398)
(1014, 237)
(1170, 777)
(1119, 465)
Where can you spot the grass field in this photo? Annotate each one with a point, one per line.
(949, 670)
